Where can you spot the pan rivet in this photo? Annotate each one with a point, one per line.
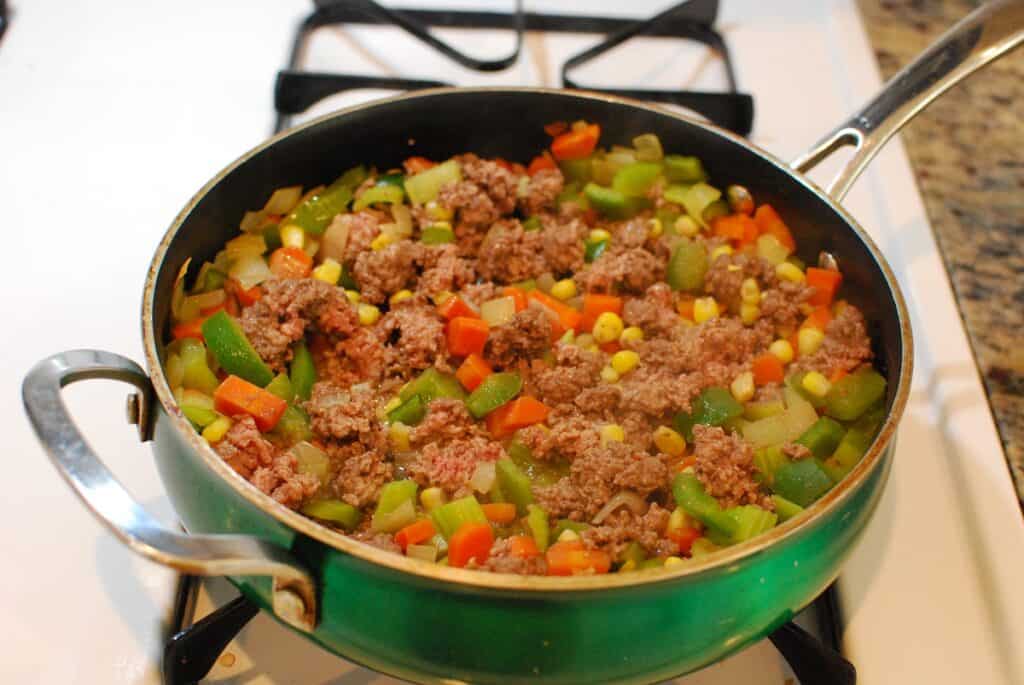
(131, 407)
(291, 609)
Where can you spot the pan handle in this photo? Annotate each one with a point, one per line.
(294, 598)
(987, 33)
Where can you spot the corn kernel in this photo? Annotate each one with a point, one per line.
(438, 212)
(432, 498)
(381, 241)
(783, 350)
(816, 384)
(400, 296)
(328, 272)
(607, 328)
(442, 297)
(624, 361)
(353, 296)
(568, 535)
(669, 441)
(599, 235)
(612, 432)
(293, 236)
(216, 431)
(733, 268)
(808, 340)
(630, 565)
(564, 289)
(631, 334)
(705, 309)
(609, 375)
(368, 314)
(719, 251)
(673, 562)
(742, 387)
(749, 313)
(789, 272)
(398, 434)
(750, 292)
(686, 226)
(655, 228)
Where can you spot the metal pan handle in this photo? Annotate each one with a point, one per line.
(987, 33)
(294, 598)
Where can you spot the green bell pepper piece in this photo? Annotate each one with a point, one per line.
(537, 522)
(438, 234)
(532, 223)
(852, 395)
(200, 416)
(303, 372)
(714, 210)
(335, 511)
(397, 180)
(293, 426)
(785, 509)
(713, 407)
(592, 249)
(496, 390)
(352, 178)
(682, 169)
(213, 279)
(410, 412)
(514, 484)
(607, 201)
(750, 521)
(432, 384)
(272, 237)
(802, 482)
(281, 386)
(698, 198)
(316, 213)
(576, 170)
(634, 180)
(823, 437)
(393, 495)
(687, 266)
(196, 373)
(346, 280)
(233, 350)
(667, 216)
(539, 472)
(690, 495)
(379, 194)
(451, 516)
(675, 193)
(424, 186)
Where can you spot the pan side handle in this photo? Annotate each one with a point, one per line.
(294, 597)
(987, 33)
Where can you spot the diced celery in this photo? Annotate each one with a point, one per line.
(196, 373)
(576, 170)
(437, 235)
(634, 552)
(311, 460)
(851, 395)
(714, 210)
(690, 495)
(335, 511)
(762, 410)
(785, 509)
(294, 425)
(281, 386)
(592, 249)
(410, 412)
(352, 178)
(392, 496)
(634, 180)
(702, 546)
(713, 407)
(681, 169)
(379, 194)
(648, 148)
(607, 201)
(514, 484)
(823, 437)
(654, 562)
(314, 214)
(687, 266)
(394, 520)
(767, 461)
(771, 250)
(201, 417)
(451, 516)
(233, 350)
(854, 444)
(802, 481)
(424, 186)
(303, 372)
(784, 427)
(697, 198)
(675, 193)
(537, 522)
(750, 521)
(496, 390)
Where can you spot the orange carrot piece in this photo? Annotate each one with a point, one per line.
(576, 144)
(244, 297)
(685, 307)
(523, 546)
(519, 413)
(290, 262)
(688, 461)
(838, 375)
(556, 128)
(189, 329)
(819, 318)
(415, 533)
(517, 295)
(499, 512)
(472, 372)
(684, 537)
(456, 306)
(595, 304)
(569, 558)
(825, 283)
(541, 162)
(416, 164)
(567, 316)
(769, 222)
(768, 369)
(467, 335)
(740, 229)
(237, 396)
(471, 541)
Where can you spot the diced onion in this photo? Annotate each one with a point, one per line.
(335, 239)
(208, 300)
(697, 198)
(523, 187)
(253, 221)
(422, 552)
(244, 245)
(250, 270)
(648, 148)
(403, 220)
(483, 476)
(395, 520)
(311, 460)
(771, 250)
(636, 504)
(283, 200)
(178, 292)
(498, 311)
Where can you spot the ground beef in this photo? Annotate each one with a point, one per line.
(451, 465)
(795, 451)
(343, 413)
(502, 560)
(575, 370)
(478, 293)
(562, 500)
(632, 270)
(363, 227)
(244, 448)
(499, 183)
(541, 191)
(384, 272)
(444, 270)
(287, 308)
(473, 207)
(623, 526)
(643, 474)
(725, 466)
(599, 401)
(563, 243)
(655, 312)
(631, 232)
(361, 477)
(780, 306)
(655, 391)
(509, 254)
(604, 470)
(722, 341)
(846, 344)
(726, 275)
(413, 334)
(447, 419)
(281, 481)
(526, 336)
(382, 541)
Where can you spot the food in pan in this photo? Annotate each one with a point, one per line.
(598, 362)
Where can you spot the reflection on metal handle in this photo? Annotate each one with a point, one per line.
(294, 598)
(986, 34)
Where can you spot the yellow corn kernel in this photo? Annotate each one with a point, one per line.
(816, 384)
(353, 296)
(568, 535)
(742, 387)
(630, 565)
(705, 309)
(750, 292)
(669, 441)
(328, 272)
(368, 314)
(719, 251)
(398, 434)
(673, 562)
(686, 226)
(624, 361)
(442, 297)
(400, 296)
(808, 340)
(381, 241)
(599, 234)
(655, 228)
(749, 313)
(788, 271)
(564, 289)
(783, 350)
(607, 328)
(438, 212)
(432, 498)
(631, 334)
(612, 432)
(609, 375)
(292, 236)
(216, 431)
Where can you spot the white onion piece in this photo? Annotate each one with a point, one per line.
(311, 460)
(395, 520)
(250, 270)
(422, 552)
(483, 476)
(244, 245)
(283, 200)
(335, 239)
(208, 300)
(403, 220)
(636, 504)
(523, 187)
(498, 311)
(252, 221)
(178, 292)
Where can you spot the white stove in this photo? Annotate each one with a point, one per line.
(116, 112)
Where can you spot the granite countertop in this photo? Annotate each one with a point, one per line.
(968, 157)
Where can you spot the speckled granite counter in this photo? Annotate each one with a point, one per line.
(967, 151)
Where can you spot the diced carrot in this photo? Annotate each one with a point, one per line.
(456, 306)
(523, 546)
(467, 335)
(237, 396)
(245, 297)
(688, 461)
(684, 537)
(519, 413)
(517, 295)
(189, 329)
(685, 307)
(594, 305)
(769, 222)
(556, 128)
(471, 541)
(825, 283)
(210, 311)
(768, 369)
(473, 371)
(500, 512)
(576, 144)
(819, 318)
(794, 342)
(838, 375)
(569, 558)
(540, 162)
(611, 347)
(590, 217)
(415, 533)
(290, 262)
(740, 229)
(415, 165)
(567, 316)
